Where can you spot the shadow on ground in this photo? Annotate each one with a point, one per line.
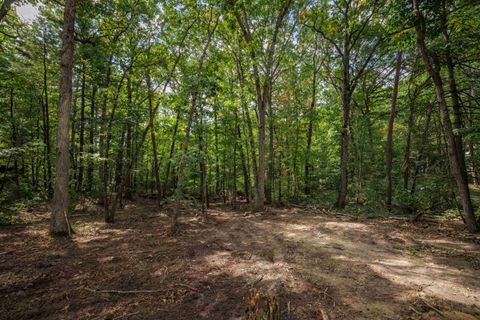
(348, 267)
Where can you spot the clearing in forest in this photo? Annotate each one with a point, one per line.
(315, 262)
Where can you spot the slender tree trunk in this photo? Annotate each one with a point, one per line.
(248, 120)
(193, 108)
(345, 133)
(91, 141)
(408, 146)
(73, 149)
(170, 155)
(389, 146)
(129, 144)
(59, 220)
(82, 135)
(109, 217)
(473, 164)
(271, 155)
(14, 139)
(156, 167)
(103, 172)
(310, 124)
(246, 177)
(46, 124)
(295, 174)
(203, 167)
(119, 160)
(217, 163)
(235, 146)
(433, 69)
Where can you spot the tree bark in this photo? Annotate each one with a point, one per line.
(345, 131)
(46, 124)
(59, 219)
(170, 156)
(156, 167)
(433, 68)
(271, 151)
(14, 139)
(246, 177)
(389, 146)
(91, 141)
(452, 84)
(408, 145)
(81, 135)
(262, 92)
(310, 123)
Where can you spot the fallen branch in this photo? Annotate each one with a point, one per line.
(415, 310)
(122, 291)
(187, 286)
(433, 308)
(137, 291)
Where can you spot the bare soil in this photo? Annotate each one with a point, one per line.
(314, 261)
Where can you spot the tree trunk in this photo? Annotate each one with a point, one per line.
(73, 149)
(452, 84)
(91, 141)
(248, 120)
(345, 133)
(271, 171)
(193, 107)
(408, 142)
(82, 135)
(14, 139)
(203, 168)
(129, 144)
(310, 125)
(119, 160)
(217, 163)
(246, 177)
(46, 124)
(170, 156)
(156, 167)
(433, 69)
(389, 146)
(235, 146)
(109, 218)
(103, 177)
(59, 220)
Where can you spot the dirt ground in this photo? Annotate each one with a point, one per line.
(314, 261)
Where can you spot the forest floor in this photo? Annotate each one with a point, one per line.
(314, 261)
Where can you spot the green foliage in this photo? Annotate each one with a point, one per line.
(121, 43)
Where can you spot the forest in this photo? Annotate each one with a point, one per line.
(240, 159)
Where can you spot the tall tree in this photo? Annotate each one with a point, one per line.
(389, 145)
(59, 219)
(433, 67)
(263, 86)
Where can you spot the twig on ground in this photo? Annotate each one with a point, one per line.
(187, 286)
(415, 310)
(122, 291)
(433, 308)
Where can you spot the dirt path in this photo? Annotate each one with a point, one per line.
(349, 267)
